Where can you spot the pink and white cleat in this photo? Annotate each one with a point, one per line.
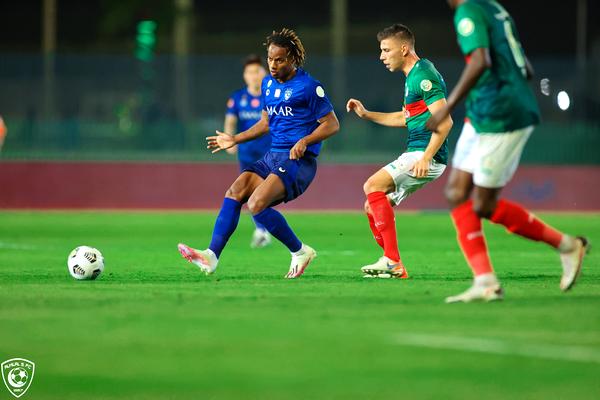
(301, 261)
(206, 260)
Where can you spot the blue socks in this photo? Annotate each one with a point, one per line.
(258, 224)
(225, 225)
(276, 224)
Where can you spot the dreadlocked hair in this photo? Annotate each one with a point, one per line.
(288, 39)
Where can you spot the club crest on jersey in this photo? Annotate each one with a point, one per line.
(255, 103)
(287, 94)
(466, 26)
(426, 85)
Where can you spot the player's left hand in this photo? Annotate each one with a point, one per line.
(222, 141)
(421, 168)
(436, 118)
(298, 150)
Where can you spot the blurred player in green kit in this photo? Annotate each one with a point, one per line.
(501, 114)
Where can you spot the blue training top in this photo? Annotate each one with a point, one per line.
(294, 108)
(248, 109)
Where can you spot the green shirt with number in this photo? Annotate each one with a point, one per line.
(502, 100)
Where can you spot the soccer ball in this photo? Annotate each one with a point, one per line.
(85, 262)
(17, 377)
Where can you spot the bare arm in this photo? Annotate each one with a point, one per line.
(328, 126)
(229, 127)
(421, 167)
(223, 141)
(396, 119)
(480, 61)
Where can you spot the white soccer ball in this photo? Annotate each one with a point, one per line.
(85, 262)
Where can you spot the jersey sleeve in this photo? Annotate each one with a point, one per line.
(429, 86)
(318, 102)
(263, 88)
(471, 28)
(232, 105)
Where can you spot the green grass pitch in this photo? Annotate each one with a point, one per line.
(154, 327)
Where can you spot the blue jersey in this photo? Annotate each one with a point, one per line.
(294, 108)
(248, 109)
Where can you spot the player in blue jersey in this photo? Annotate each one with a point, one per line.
(244, 108)
(299, 116)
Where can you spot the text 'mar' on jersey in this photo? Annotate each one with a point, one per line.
(294, 108)
(248, 111)
(424, 86)
(502, 100)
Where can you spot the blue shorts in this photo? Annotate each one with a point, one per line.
(296, 175)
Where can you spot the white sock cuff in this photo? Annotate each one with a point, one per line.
(299, 252)
(488, 279)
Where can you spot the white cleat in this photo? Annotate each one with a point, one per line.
(300, 262)
(572, 262)
(478, 293)
(206, 260)
(384, 268)
(260, 238)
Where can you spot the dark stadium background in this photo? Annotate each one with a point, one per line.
(85, 94)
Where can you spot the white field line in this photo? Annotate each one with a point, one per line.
(501, 347)
(14, 246)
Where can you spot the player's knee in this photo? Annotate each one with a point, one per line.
(371, 186)
(256, 204)
(367, 207)
(455, 196)
(236, 192)
(484, 208)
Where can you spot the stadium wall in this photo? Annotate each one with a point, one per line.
(134, 185)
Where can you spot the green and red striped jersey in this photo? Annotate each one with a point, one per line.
(424, 86)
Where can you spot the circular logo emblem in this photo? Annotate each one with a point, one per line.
(268, 92)
(466, 26)
(255, 103)
(320, 91)
(230, 103)
(426, 85)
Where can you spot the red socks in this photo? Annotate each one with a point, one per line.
(375, 231)
(518, 220)
(385, 223)
(471, 239)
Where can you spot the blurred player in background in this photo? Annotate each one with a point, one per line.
(244, 109)
(299, 116)
(502, 112)
(426, 153)
(2, 132)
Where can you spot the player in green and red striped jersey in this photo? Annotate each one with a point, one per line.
(426, 154)
(501, 112)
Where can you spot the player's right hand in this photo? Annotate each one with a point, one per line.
(356, 106)
(220, 142)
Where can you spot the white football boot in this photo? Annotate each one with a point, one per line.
(572, 262)
(384, 268)
(260, 238)
(206, 260)
(485, 288)
(300, 261)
